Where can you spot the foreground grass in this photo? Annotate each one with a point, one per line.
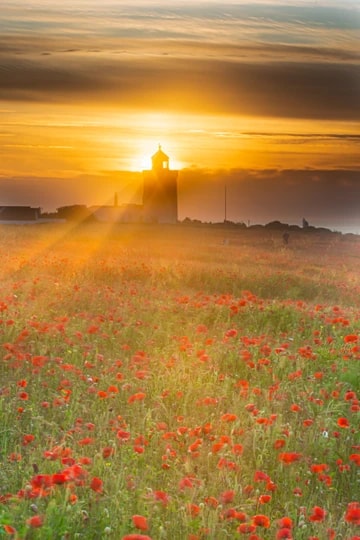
(178, 383)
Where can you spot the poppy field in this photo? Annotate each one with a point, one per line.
(178, 383)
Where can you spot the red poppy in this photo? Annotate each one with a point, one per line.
(58, 478)
(107, 452)
(279, 443)
(9, 529)
(350, 338)
(289, 457)
(123, 435)
(319, 467)
(140, 522)
(285, 522)
(96, 484)
(295, 407)
(135, 536)
(186, 482)
(260, 520)
(193, 509)
(162, 497)
(139, 396)
(260, 476)
(228, 417)
(246, 528)
(27, 439)
(352, 514)
(318, 514)
(355, 458)
(216, 447)
(237, 449)
(35, 521)
(211, 501)
(343, 422)
(284, 533)
(227, 496)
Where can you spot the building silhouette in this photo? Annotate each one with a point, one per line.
(19, 214)
(160, 200)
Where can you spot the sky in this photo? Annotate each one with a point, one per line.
(262, 97)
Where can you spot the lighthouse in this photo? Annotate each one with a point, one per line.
(160, 199)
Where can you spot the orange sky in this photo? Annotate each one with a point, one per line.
(230, 89)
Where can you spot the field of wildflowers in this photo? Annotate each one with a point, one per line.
(160, 383)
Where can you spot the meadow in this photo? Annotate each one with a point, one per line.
(181, 383)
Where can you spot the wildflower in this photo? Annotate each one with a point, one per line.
(58, 478)
(85, 441)
(162, 497)
(260, 476)
(279, 443)
(186, 482)
(318, 514)
(35, 521)
(122, 435)
(237, 449)
(289, 457)
(285, 522)
(319, 467)
(295, 407)
(284, 533)
(140, 522)
(352, 514)
(27, 439)
(260, 520)
(343, 422)
(216, 447)
(139, 396)
(228, 417)
(227, 496)
(211, 501)
(355, 458)
(135, 536)
(96, 484)
(350, 338)
(107, 452)
(246, 528)
(193, 509)
(9, 529)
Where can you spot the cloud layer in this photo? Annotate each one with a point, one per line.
(260, 59)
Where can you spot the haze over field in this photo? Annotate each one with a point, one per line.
(262, 97)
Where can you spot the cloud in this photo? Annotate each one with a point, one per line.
(283, 89)
(260, 58)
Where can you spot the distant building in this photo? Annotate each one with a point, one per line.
(19, 213)
(74, 212)
(160, 201)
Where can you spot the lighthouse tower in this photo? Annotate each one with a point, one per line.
(160, 190)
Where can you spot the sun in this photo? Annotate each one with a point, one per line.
(141, 159)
